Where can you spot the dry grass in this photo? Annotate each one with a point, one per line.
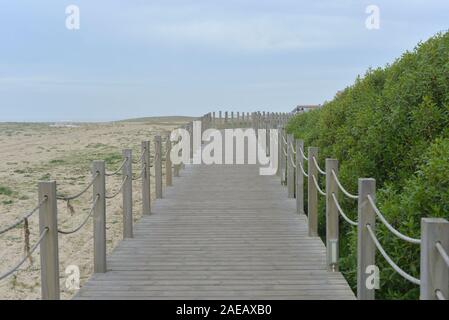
(33, 152)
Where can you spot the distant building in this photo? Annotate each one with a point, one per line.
(305, 108)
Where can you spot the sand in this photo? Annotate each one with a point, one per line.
(33, 152)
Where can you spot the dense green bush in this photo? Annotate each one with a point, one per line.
(391, 125)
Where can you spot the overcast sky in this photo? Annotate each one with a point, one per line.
(134, 58)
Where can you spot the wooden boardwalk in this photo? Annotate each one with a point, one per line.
(222, 232)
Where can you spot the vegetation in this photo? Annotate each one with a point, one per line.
(113, 158)
(57, 161)
(6, 191)
(392, 125)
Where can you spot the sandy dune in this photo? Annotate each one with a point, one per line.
(33, 152)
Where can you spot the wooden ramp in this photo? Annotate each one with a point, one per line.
(222, 232)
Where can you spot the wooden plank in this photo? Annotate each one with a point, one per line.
(221, 232)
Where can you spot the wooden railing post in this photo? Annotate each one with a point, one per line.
(146, 178)
(206, 124)
(168, 164)
(176, 168)
(282, 156)
(279, 146)
(191, 142)
(99, 215)
(267, 140)
(290, 169)
(252, 121)
(49, 245)
(158, 166)
(257, 123)
(366, 249)
(203, 124)
(312, 192)
(299, 177)
(332, 232)
(434, 271)
(127, 173)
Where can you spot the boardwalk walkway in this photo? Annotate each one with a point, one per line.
(222, 232)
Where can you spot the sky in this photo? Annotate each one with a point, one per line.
(135, 58)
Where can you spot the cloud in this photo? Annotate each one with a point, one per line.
(232, 29)
(250, 35)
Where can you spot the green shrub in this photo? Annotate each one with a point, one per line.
(391, 125)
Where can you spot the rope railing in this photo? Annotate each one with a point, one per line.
(140, 158)
(351, 222)
(116, 172)
(434, 232)
(284, 151)
(318, 167)
(389, 226)
(24, 217)
(156, 157)
(48, 211)
(292, 162)
(302, 170)
(94, 204)
(366, 211)
(318, 186)
(439, 295)
(292, 148)
(347, 193)
(302, 154)
(115, 194)
(442, 253)
(167, 152)
(135, 178)
(434, 239)
(22, 261)
(69, 198)
(395, 267)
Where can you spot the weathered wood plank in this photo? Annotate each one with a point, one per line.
(221, 232)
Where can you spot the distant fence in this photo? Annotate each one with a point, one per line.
(434, 241)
